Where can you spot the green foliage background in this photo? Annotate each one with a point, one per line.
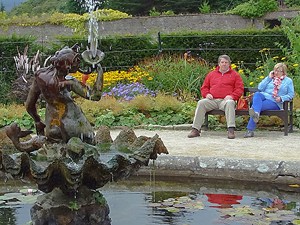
(125, 52)
(133, 7)
(254, 8)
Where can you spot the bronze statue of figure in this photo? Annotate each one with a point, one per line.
(63, 119)
(66, 137)
(68, 141)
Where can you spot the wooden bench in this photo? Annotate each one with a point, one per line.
(286, 114)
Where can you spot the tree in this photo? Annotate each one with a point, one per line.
(2, 8)
(72, 6)
(132, 7)
(36, 7)
(142, 7)
(178, 6)
(255, 8)
(224, 5)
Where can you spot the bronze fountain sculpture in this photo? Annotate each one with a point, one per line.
(73, 168)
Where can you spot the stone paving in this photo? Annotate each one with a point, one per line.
(269, 156)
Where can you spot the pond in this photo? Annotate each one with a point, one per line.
(140, 201)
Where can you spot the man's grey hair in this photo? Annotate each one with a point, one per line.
(224, 57)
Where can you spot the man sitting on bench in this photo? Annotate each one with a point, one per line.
(221, 89)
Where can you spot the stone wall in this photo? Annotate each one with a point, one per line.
(153, 25)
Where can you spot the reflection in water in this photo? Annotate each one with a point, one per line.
(15, 202)
(137, 211)
(277, 203)
(15, 214)
(8, 216)
(139, 202)
(201, 203)
(223, 200)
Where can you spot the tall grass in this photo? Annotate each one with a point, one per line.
(175, 75)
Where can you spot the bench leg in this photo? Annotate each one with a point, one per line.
(205, 124)
(286, 125)
(286, 130)
(291, 123)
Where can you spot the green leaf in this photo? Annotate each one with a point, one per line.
(296, 222)
(172, 209)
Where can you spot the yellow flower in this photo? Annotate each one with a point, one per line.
(275, 57)
(241, 71)
(233, 66)
(296, 65)
(251, 83)
(283, 58)
(264, 50)
(261, 77)
(134, 74)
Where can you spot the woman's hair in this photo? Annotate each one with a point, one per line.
(224, 57)
(282, 66)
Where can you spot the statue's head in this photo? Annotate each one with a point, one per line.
(66, 59)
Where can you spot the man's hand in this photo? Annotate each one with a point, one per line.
(228, 97)
(209, 96)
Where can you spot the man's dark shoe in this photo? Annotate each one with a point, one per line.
(194, 133)
(249, 134)
(231, 134)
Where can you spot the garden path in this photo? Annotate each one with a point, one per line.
(269, 156)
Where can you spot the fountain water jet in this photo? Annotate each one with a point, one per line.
(92, 55)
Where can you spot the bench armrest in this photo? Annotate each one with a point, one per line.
(249, 90)
(288, 105)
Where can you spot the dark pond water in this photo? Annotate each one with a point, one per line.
(139, 201)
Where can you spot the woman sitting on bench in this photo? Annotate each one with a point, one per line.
(273, 91)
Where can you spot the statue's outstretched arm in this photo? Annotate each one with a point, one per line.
(83, 90)
(98, 86)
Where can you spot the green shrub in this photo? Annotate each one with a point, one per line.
(72, 20)
(292, 3)
(254, 8)
(291, 29)
(165, 110)
(154, 12)
(242, 45)
(204, 7)
(168, 13)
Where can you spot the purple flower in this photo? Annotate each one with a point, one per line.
(129, 91)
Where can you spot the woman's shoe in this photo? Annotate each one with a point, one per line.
(249, 134)
(254, 115)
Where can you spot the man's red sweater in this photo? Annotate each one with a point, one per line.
(219, 85)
